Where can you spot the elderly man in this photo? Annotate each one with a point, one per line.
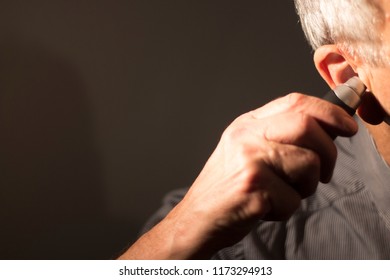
(272, 188)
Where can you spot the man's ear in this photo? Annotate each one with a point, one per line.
(334, 67)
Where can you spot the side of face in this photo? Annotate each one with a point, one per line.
(378, 78)
(336, 66)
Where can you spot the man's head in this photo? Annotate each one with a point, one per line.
(352, 38)
(353, 25)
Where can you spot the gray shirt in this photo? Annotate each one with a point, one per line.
(348, 218)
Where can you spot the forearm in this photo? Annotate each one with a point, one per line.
(174, 237)
(155, 244)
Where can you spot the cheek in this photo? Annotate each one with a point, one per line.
(380, 86)
(375, 105)
(370, 110)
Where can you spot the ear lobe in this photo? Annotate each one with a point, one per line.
(332, 65)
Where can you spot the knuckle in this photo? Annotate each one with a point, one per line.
(295, 99)
(250, 174)
(272, 153)
(304, 123)
(239, 140)
(312, 159)
(236, 129)
(298, 129)
(235, 145)
(232, 133)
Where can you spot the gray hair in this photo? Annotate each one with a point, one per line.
(354, 25)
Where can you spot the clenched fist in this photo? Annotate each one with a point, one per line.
(266, 161)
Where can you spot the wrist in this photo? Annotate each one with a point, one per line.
(175, 237)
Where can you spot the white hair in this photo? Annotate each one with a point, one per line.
(354, 25)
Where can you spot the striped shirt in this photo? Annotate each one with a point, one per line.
(348, 218)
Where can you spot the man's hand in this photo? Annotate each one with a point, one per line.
(266, 161)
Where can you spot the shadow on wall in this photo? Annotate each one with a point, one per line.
(51, 197)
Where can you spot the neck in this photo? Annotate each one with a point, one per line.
(381, 135)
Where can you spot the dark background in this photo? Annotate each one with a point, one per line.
(105, 105)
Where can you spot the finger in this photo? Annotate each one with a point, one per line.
(297, 167)
(283, 200)
(305, 132)
(334, 119)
